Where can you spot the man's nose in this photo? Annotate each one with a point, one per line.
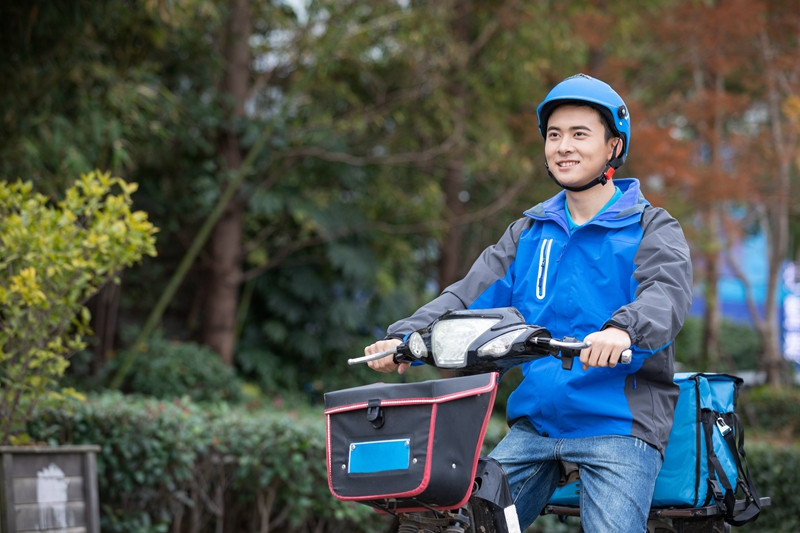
(565, 145)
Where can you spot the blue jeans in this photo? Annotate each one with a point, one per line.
(618, 475)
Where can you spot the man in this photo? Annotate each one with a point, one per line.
(597, 262)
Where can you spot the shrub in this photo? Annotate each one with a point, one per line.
(772, 417)
(772, 409)
(53, 256)
(171, 369)
(148, 454)
(776, 474)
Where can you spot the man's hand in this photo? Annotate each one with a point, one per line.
(387, 363)
(606, 349)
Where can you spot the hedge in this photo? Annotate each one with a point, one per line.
(174, 466)
(773, 410)
(776, 473)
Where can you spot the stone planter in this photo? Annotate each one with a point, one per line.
(49, 488)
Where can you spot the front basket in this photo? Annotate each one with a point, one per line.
(405, 446)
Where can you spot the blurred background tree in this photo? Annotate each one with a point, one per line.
(395, 140)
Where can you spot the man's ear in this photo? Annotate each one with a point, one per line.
(616, 148)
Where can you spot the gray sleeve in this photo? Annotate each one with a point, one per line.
(664, 274)
(490, 267)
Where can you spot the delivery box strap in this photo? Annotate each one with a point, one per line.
(731, 430)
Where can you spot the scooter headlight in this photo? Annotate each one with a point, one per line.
(416, 344)
(451, 339)
(499, 346)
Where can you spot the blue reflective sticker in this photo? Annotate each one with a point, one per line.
(379, 456)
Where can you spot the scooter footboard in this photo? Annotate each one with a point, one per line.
(408, 446)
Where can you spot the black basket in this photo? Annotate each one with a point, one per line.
(403, 447)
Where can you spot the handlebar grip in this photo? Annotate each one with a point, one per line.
(625, 357)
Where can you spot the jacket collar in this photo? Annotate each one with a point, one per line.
(624, 211)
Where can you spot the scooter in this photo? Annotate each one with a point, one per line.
(413, 449)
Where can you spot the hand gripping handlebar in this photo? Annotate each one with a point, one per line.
(625, 357)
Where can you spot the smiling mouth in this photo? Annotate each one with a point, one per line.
(566, 164)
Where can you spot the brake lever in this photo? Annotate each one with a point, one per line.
(373, 357)
(400, 353)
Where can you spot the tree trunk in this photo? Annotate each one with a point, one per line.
(105, 310)
(778, 215)
(225, 268)
(711, 317)
(712, 324)
(451, 260)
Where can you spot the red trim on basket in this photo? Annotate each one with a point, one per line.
(328, 458)
(478, 447)
(419, 401)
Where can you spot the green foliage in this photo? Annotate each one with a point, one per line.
(770, 416)
(170, 369)
(303, 328)
(740, 346)
(53, 257)
(164, 463)
(776, 474)
(347, 240)
(774, 410)
(149, 451)
(129, 87)
(83, 92)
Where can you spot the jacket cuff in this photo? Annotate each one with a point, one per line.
(624, 327)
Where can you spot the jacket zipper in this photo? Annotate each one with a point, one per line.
(544, 265)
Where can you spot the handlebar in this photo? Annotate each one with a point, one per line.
(625, 357)
(474, 341)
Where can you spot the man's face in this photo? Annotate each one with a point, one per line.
(575, 145)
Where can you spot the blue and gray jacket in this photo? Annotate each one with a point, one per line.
(629, 267)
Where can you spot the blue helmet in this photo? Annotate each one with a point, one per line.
(585, 90)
